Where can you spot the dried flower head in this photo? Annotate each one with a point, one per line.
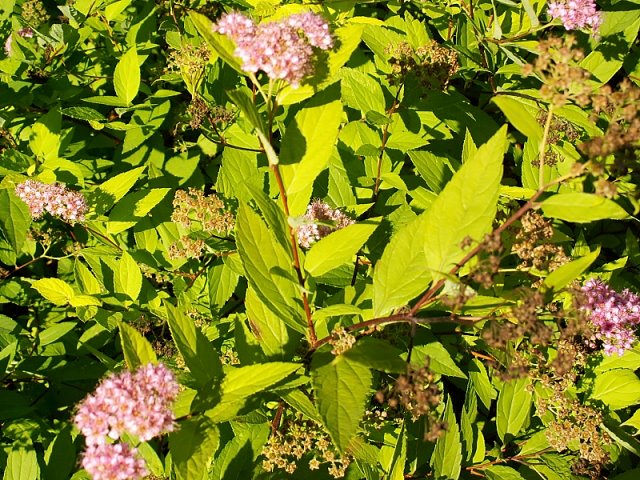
(320, 221)
(190, 62)
(576, 14)
(533, 244)
(615, 315)
(55, 199)
(282, 49)
(432, 64)
(137, 403)
(34, 12)
(113, 461)
(208, 213)
(557, 65)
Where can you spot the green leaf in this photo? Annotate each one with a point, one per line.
(447, 456)
(15, 219)
(60, 456)
(466, 206)
(378, 355)
(338, 247)
(133, 208)
(439, 359)
(242, 97)
(629, 359)
(361, 91)
(84, 113)
(276, 340)
(199, 355)
(112, 190)
(618, 388)
(126, 78)
(308, 143)
(341, 388)
(137, 349)
(192, 447)
(436, 170)
(399, 457)
(582, 208)
(221, 282)
(521, 113)
(514, 404)
(22, 464)
(568, 272)
(44, 140)
(128, 277)
(55, 332)
(402, 272)
(268, 269)
(301, 402)
(633, 421)
(480, 379)
(55, 290)
(241, 382)
(500, 472)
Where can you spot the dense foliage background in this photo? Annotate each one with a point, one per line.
(405, 259)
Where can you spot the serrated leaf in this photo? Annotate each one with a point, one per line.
(44, 140)
(446, 460)
(308, 143)
(199, 355)
(112, 190)
(402, 271)
(378, 355)
(268, 269)
(55, 290)
(22, 464)
(221, 283)
(480, 379)
(466, 207)
(55, 332)
(361, 91)
(83, 113)
(514, 404)
(341, 388)
(618, 388)
(128, 277)
(241, 382)
(582, 207)
(15, 219)
(301, 402)
(440, 360)
(338, 247)
(192, 447)
(568, 272)
(137, 349)
(276, 340)
(126, 77)
(500, 472)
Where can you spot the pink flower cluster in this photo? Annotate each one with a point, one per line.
(320, 221)
(615, 315)
(137, 403)
(282, 49)
(576, 14)
(53, 198)
(113, 461)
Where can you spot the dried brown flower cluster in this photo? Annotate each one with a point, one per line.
(197, 212)
(622, 109)
(418, 393)
(34, 13)
(190, 62)
(533, 244)
(489, 259)
(560, 130)
(301, 437)
(432, 64)
(557, 66)
(199, 110)
(341, 340)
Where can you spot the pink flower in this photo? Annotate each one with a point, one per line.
(55, 199)
(576, 14)
(113, 461)
(321, 220)
(615, 315)
(281, 49)
(137, 403)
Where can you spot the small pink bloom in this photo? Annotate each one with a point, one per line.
(55, 199)
(113, 461)
(321, 220)
(576, 14)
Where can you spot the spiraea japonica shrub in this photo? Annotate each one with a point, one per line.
(313, 240)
